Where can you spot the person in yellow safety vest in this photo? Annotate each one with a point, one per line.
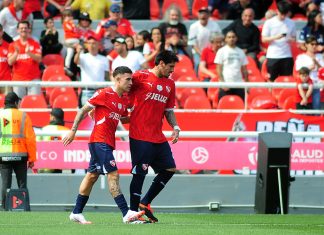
(17, 144)
(56, 124)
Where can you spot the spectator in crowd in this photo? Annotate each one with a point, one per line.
(141, 38)
(247, 32)
(4, 3)
(56, 124)
(94, 67)
(136, 10)
(236, 8)
(17, 144)
(221, 6)
(132, 59)
(111, 33)
(24, 56)
(49, 38)
(124, 27)
(97, 9)
(71, 38)
(56, 7)
(34, 7)
(10, 16)
(155, 46)
(311, 6)
(5, 71)
(173, 25)
(231, 64)
(313, 27)
(207, 66)
(130, 43)
(84, 26)
(304, 89)
(312, 61)
(199, 34)
(279, 31)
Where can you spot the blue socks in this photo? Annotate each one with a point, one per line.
(135, 189)
(81, 201)
(157, 185)
(122, 204)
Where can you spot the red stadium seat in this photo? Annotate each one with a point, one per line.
(263, 102)
(276, 91)
(254, 92)
(284, 94)
(52, 70)
(182, 4)
(290, 103)
(196, 5)
(184, 61)
(61, 91)
(33, 101)
(154, 10)
(186, 92)
(197, 102)
(56, 78)
(65, 101)
(53, 59)
(230, 102)
(295, 50)
(212, 92)
(185, 78)
(2, 98)
(264, 70)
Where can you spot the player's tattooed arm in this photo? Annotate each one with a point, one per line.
(79, 117)
(171, 118)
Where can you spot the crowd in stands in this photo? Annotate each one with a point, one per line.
(241, 52)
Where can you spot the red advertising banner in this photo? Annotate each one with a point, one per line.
(210, 155)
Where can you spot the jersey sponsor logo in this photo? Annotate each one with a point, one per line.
(157, 97)
(5, 122)
(114, 116)
(23, 57)
(113, 163)
(159, 88)
(3, 59)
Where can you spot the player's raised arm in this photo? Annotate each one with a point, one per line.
(78, 118)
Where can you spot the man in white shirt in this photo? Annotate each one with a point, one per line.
(199, 33)
(279, 31)
(231, 64)
(94, 67)
(10, 17)
(132, 59)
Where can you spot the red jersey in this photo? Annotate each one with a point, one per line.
(124, 27)
(5, 73)
(150, 97)
(109, 108)
(70, 30)
(25, 68)
(298, 97)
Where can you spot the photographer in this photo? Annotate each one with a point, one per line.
(49, 38)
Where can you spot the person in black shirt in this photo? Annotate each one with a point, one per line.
(49, 38)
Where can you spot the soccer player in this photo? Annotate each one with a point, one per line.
(153, 97)
(109, 107)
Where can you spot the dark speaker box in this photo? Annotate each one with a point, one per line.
(17, 200)
(273, 154)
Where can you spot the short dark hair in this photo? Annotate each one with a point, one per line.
(310, 39)
(304, 70)
(23, 22)
(145, 34)
(167, 57)
(121, 70)
(47, 19)
(283, 7)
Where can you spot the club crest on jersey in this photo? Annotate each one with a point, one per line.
(145, 166)
(113, 163)
(120, 106)
(168, 89)
(159, 88)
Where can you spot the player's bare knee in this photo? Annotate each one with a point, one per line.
(92, 177)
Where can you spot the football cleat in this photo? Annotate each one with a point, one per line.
(132, 216)
(148, 212)
(79, 218)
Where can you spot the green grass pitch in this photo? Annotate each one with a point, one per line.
(57, 223)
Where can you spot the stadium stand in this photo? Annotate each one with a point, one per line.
(289, 103)
(276, 91)
(55, 78)
(190, 92)
(263, 102)
(154, 10)
(182, 4)
(283, 95)
(52, 70)
(65, 101)
(230, 102)
(39, 119)
(53, 59)
(254, 92)
(61, 91)
(197, 102)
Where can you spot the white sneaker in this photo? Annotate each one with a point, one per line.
(79, 218)
(133, 216)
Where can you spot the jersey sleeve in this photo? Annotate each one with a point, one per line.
(98, 98)
(171, 100)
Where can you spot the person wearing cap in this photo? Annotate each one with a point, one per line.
(132, 59)
(5, 71)
(55, 7)
(199, 33)
(10, 16)
(97, 9)
(94, 67)
(110, 33)
(17, 144)
(84, 26)
(24, 56)
(124, 27)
